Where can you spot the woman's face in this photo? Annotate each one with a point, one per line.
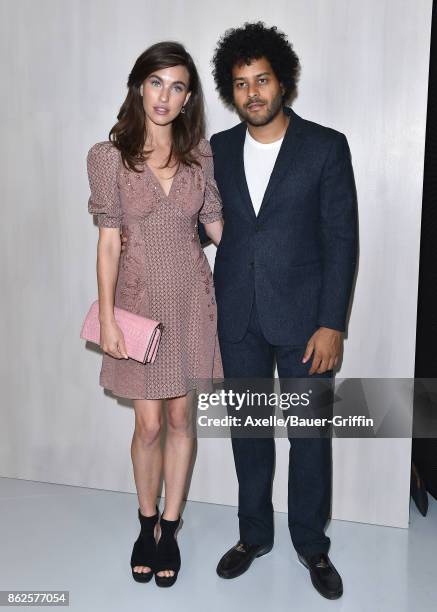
(164, 93)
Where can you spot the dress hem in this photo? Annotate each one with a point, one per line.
(177, 394)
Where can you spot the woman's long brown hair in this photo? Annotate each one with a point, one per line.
(129, 133)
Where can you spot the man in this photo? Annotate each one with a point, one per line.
(283, 276)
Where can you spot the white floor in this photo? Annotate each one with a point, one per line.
(56, 537)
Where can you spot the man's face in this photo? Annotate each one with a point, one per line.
(257, 92)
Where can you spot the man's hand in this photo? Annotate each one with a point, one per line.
(123, 239)
(326, 344)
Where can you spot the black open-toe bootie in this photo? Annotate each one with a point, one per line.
(144, 550)
(168, 556)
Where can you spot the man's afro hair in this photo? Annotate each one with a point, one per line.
(253, 41)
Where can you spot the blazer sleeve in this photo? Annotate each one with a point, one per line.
(339, 234)
(102, 164)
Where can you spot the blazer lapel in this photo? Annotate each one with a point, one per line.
(284, 161)
(286, 157)
(240, 175)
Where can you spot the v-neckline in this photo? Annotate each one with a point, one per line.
(158, 182)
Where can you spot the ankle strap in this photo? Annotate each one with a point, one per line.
(171, 525)
(148, 520)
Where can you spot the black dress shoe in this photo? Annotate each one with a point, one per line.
(239, 558)
(324, 576)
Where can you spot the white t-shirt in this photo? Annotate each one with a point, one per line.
(259, 159)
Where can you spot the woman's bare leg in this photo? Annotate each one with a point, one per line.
(178, 454)
(147, 457)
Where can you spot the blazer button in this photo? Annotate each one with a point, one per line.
(252, 264)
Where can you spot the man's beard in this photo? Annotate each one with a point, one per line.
(255, 120)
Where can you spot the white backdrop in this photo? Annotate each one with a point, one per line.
(64, 69)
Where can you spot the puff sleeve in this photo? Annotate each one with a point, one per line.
(212, 205)
(102, 165)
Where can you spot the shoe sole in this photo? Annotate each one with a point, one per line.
(145, 576)
(315, 585)
(165, 585)
(262, 552)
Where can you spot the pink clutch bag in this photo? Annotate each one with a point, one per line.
(141, 335)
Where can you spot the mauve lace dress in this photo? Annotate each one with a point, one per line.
(163, 272)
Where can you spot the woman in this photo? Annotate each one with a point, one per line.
(154, 179)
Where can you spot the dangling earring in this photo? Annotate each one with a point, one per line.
(183, 110)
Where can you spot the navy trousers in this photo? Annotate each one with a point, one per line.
(310, 469)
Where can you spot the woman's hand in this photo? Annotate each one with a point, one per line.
(112, 340)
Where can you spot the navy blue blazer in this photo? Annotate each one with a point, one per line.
(298, 255)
